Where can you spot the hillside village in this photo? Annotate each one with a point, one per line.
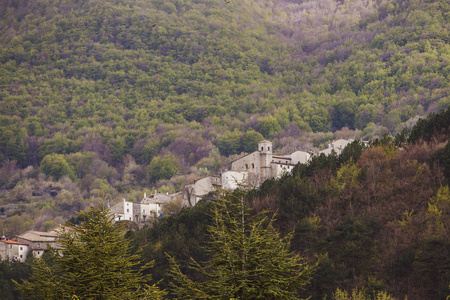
(37, 242)
(248, 171)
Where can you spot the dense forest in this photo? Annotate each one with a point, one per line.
(370, 223)
(373, 218)
(108, 99)
(96, 96)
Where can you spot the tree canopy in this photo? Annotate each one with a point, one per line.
(92, 261)
(249, 259)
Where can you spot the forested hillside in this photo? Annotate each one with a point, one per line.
(96, 95)
(374, 218)
(372, 222)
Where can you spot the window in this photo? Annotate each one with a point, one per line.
(262, 148)
(246, 166)
(268, 148)
(39, 252)
(21, 256)
(128, 210)
(21, 248)
(253, 166)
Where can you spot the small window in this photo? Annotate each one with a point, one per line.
(246, 166)
(253, 166)
(21, 256)
(268, 148)
(21, 248)
(128, 210)
(39, 252)
(262, 148)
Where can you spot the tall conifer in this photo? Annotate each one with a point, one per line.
(249, 259)
(92, 261)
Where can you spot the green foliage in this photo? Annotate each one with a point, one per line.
(111, 77)
(426, 128)
(162, 168)
(250, 141)
(352, 151)
(55, 165)
(360, 295)
(229, 143)
(268, 126)
(12, 271)
(249, 259)
(92, 262)
(343, 114)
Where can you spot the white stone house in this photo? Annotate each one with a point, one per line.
(192, 193)
(38, 241)
(13, 250)
(299, 157)
(232, 180)
(141, 212)
(123, 211)
(336, 146)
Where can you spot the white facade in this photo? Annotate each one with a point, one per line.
(299, 157)
(141, 212)
(279, 169)
(262, 164)
(123, 211)
(192, 193)
(13, 250)
(232, 180)
(336, 146)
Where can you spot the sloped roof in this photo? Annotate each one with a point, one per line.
(12, 242)
(39, 236)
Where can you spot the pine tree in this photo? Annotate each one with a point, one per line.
(249, 259)
(91, 262)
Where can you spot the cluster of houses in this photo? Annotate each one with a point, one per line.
(32, 241)
(247, 171)
(141, 212)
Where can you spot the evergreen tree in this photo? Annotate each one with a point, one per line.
(249, 259)
(91, 262)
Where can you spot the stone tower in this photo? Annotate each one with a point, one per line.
(265, 156)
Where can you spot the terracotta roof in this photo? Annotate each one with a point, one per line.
(12, 242)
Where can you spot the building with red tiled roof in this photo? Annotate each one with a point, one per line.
(38, 241)
(13, 250)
